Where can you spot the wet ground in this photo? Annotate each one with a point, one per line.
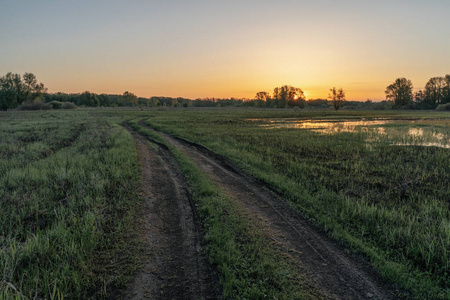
(382, 130)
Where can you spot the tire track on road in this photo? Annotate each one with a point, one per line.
(325, 262)
(176, 265)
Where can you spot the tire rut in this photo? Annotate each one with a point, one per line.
(176, 265)
(325, 263)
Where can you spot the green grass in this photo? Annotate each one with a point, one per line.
(68, 183)
(249, 266)
(388, 202)
(67, 190)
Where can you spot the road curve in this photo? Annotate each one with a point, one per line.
(326, 263)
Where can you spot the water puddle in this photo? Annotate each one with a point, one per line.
(393, 132)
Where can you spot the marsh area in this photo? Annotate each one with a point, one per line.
(427, 133)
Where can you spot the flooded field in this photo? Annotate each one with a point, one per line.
(425, 133)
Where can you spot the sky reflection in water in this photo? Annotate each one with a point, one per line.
(393, 132)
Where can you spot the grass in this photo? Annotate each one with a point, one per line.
(249, 266)
(67, 206)
(68, 182)
(388, 202)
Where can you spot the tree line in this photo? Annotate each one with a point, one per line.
(436, 92)
(15, 89)
(283, 97)
(25, 92)
(288, 96)
(127, 99)
(399, 94)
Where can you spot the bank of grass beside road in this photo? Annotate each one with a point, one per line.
(388, 202)
(68, 183)
(248, 266)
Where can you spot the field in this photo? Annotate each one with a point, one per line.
(66, 203)
(375, 182)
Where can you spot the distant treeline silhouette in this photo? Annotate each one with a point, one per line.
(26, 93)
(399, 95)
(88, 99)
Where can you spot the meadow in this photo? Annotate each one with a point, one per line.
(69, 182)
(66, 205)
(386, 196)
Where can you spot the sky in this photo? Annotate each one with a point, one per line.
(224, 49)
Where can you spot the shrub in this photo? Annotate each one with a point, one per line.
(55, 104)
(443, 107)
(68, 105)
(34, 105)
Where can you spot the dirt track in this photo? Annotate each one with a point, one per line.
(333, 271)
(176, 267)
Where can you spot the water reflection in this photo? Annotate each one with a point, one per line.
(393, 132)
(427, 136)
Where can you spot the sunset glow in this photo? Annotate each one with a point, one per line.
(228, 49)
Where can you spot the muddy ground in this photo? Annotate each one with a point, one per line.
(177, 267)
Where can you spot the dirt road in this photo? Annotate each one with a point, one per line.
(176, 267)
(333, 271)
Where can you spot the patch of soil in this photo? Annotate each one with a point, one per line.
(325, 263)
(176, 265)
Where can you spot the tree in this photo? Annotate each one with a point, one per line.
(8, 99)
(419, 96)
(262, 99)
(88, 99)
(435, 91)
(103, 100)
(31, 88)
(263, 96)
(128, 99)
(275, 93)
(287, 95)
(14, 90)
(400, 92)
(338, 97)
(446, 98)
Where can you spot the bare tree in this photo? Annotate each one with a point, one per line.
(338, 97)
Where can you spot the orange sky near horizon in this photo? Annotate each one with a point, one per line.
(198, 49)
